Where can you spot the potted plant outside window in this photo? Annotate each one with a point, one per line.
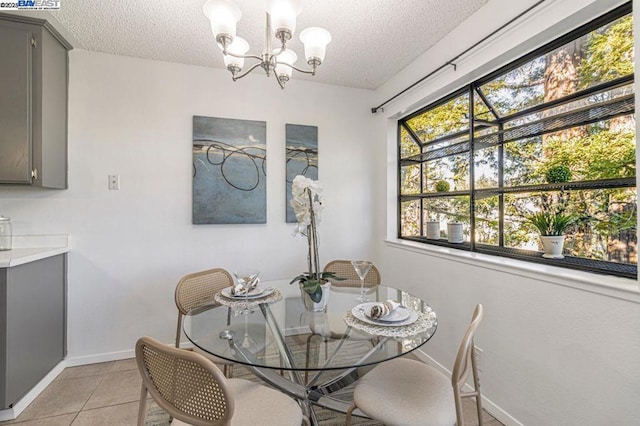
(433, 228)
(552, 227)
(442, 186)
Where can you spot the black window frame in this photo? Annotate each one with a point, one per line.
(584, 264)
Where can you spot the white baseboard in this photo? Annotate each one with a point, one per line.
(493, 409)
(19, 407)
(105, 357)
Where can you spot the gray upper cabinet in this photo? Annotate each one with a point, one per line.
(33, 103)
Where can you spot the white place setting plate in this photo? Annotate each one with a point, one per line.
(253, 294)
(399, 317)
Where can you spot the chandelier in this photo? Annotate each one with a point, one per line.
(281, 23)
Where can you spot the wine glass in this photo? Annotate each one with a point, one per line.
(246, 278)
(362, 268)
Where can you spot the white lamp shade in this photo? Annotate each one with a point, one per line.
(286, 57)
(238, 46)
(315, 42)
(283, 14)
(224, 15)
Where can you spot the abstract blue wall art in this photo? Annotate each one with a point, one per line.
(229, 171)
(302, 157)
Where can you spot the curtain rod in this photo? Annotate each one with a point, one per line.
(451, 62)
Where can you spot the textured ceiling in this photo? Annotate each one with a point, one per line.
(372, 39)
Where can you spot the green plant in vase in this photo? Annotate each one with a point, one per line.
(552, 227)
(551, 224)
(306, 202)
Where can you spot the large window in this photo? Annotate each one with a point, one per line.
(551, 132)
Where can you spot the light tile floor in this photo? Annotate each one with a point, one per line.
(108, 394)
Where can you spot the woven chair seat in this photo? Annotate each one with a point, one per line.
(406, 392)
(268, 407)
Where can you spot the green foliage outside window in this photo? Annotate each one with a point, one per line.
(558, 174)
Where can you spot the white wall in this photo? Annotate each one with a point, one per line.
(133, 117)
(557, 351)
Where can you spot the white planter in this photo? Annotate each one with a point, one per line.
(320, 306)
(454, 232)
(552, 245)
(433, 230)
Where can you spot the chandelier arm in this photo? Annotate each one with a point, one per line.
(278, 80)
(312, 71)
(236, 77)
(224, 52)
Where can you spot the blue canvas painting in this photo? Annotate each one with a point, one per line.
(229, 171)
(302, 157)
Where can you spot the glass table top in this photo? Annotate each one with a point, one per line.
(282, 335)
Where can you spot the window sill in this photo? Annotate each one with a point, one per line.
(620, 288)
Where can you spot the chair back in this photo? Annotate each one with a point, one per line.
(344, 269)
(197, 288)
(464, 365)
(185, 384)
(465, 362)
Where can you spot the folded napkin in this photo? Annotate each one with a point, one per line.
(241, 290)
(381, 310)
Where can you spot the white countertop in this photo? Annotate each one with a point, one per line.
(29, 248)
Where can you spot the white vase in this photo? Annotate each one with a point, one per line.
(433, 230)
(552, 245)
(320, 306)
(454, 232)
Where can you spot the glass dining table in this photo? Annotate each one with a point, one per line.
(311, 356)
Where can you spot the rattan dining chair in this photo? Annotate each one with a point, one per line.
(196, 289)
(408, 392)
(344, 269)
(192, 390)
(332, 326)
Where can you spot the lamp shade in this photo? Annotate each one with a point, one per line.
(224, 15)
(315, 42)
(238, 46)
(286, 57)
(283, 14)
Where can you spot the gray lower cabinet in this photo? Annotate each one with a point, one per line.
(32, 324)
(33, 103)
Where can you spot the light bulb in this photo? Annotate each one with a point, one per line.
(315, 44)
(239, 46)
(283, 15)
(286, 57)
(224, 15)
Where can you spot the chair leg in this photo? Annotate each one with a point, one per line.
(142, 408)
(326, 349)
(458, 401)
(476, 384)
(349, 411)
(479, 407)
(227, 370)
